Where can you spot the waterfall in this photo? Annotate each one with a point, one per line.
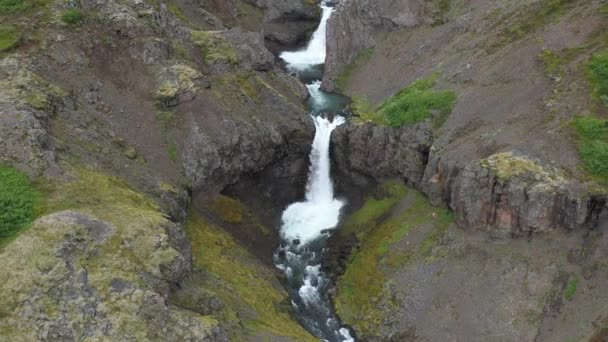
(314, 53)
(305, 224)
(304, 221)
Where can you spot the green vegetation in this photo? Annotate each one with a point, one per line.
(172, 150)
(597, 72)
(410, 105)
(18, 202)
(9, 37)
(361, 287)
(346, 74)
(228, 209)
(570, 289)
(72, 16)
(12, 6)
(249, 291)
(214, 47)
(592, 136)
(533, 18)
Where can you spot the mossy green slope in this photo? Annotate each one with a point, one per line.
(250, 292)
(379, 226)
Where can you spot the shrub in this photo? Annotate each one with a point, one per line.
(9, 37)
(416, 103)
(18, 201)
(72, 16)
(593, 144)
(12, 6)
(597, 71)
(570, 289)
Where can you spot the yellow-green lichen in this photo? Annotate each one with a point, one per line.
(228, 209)
(175, 80)
(507, 165)
(363, 285)
(214, 47)
(249, 290)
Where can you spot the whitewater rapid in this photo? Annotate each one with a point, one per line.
(304, 221)
(315, 51)
(305, 225)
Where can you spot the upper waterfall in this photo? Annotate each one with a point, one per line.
(315, 51)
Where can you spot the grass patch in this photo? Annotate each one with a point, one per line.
(12, 6)
(570, 289)
(410, 105)
(18, 202)
(228, 209)
(347, 73)
(597, 73)
(533, 18)
(592, 137)
(72, 16)
(360, 288)
(214, 47)
(9, 37)
(248, 290)
(172, 150)
(417, 102)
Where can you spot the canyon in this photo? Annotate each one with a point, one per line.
(163, 179)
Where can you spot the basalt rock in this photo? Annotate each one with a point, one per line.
(382, 152)
(355, 25)
(287, 23)
(512, 194)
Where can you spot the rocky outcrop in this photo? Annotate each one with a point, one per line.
(66, 279)
(382, 152)
(355, 25)
(287, 23)
(511, 194)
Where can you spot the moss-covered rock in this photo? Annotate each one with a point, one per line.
(250, 295)
(99, 270)
(176, 83)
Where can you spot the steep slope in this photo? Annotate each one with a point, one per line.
(125, 115)
(493, 110)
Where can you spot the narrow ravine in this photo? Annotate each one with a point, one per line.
(305, 225)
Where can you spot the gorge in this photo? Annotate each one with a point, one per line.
(189, 171)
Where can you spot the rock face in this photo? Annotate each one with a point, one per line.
(287, 23)
(511, 194)
(382, 152)
(355, 25)
(74, 287)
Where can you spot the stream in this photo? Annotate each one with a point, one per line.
(305, 225)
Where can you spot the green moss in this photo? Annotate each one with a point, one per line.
(228, 209)
(592, 138)
(9, 37)
(248, 290)
(348, 71)
(532, 18)
(361, 287)
(172, 150)
(214, 47)
(570, 289)
(18, 202)
(72, 16)
(416, 103)
(597, 72)
(374, 207)
(12, 6)
(411, 105)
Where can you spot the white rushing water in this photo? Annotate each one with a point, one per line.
(304, 223)
(314, 53)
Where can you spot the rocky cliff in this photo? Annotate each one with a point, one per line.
(495, 115)
(130, 118)
(511, 159)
